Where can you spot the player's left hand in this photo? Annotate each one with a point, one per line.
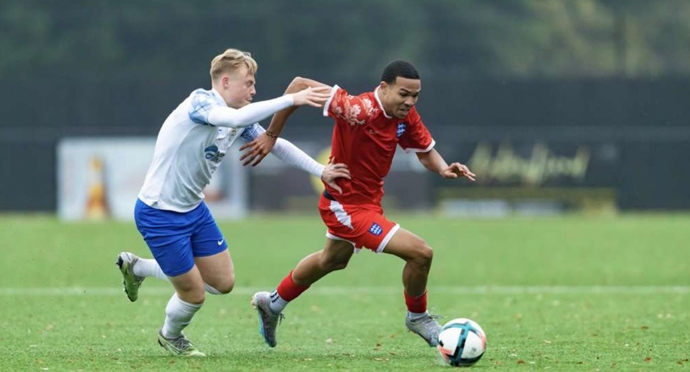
(456, 170)
(332, 172)
(257, 149)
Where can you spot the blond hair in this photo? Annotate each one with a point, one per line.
(230, 61)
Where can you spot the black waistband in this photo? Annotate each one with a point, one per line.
(327, 195)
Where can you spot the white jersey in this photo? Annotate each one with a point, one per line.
(191, 143)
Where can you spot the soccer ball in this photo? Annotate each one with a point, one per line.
(461, 342)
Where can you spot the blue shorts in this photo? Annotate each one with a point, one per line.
(176, 238)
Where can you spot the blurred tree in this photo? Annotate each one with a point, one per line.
(339, 39)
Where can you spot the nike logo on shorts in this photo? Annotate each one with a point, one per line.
(220, 242)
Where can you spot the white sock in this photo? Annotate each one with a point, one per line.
(277, 304)
(146, 267)
(415, 316)
(178, 314)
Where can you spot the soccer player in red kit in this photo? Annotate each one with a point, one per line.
(367, 130)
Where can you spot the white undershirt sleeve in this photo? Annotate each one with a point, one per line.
(229, 117)
(291, 154)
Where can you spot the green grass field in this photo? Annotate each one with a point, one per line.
(570, 293)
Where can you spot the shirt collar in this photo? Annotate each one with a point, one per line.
(376, 95)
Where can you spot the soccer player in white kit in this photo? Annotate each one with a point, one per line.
(188, 248)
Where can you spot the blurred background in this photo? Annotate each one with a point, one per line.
(557, 106)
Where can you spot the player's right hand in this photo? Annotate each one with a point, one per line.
(456, 170)
(332, 172)
(257, 149)
(312, 96)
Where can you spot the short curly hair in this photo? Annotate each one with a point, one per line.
(399, 68)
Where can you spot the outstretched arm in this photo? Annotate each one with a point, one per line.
(297, 84)
(207, 109)
(291, 154)
(434, 162)
(260, 147)
(224, 116)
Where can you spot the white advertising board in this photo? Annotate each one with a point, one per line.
(100, 178)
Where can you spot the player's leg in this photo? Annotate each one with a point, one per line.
(310, 269)
(217, 272)
(418, 256)
(175, 258)
(177, 262)
(211, 255)
(168, 236)
(202, 264)
(188, 298)
(335, 256)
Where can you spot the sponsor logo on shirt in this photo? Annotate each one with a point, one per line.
(401, 129)
(375, 229)
(212, 154)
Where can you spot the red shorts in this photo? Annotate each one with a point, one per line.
(363, 226)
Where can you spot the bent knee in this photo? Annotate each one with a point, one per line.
(221, 287)
(225, 288)
(423, 255)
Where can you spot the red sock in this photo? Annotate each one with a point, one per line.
(288, 290)
(416, 304)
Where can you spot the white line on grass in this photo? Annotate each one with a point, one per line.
(326, 291)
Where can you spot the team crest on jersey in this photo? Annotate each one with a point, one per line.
(375, 229)
(401, 129)
(212, 154)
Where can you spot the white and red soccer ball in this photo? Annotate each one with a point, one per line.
(461, 342)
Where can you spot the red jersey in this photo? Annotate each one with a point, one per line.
(365, 139)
